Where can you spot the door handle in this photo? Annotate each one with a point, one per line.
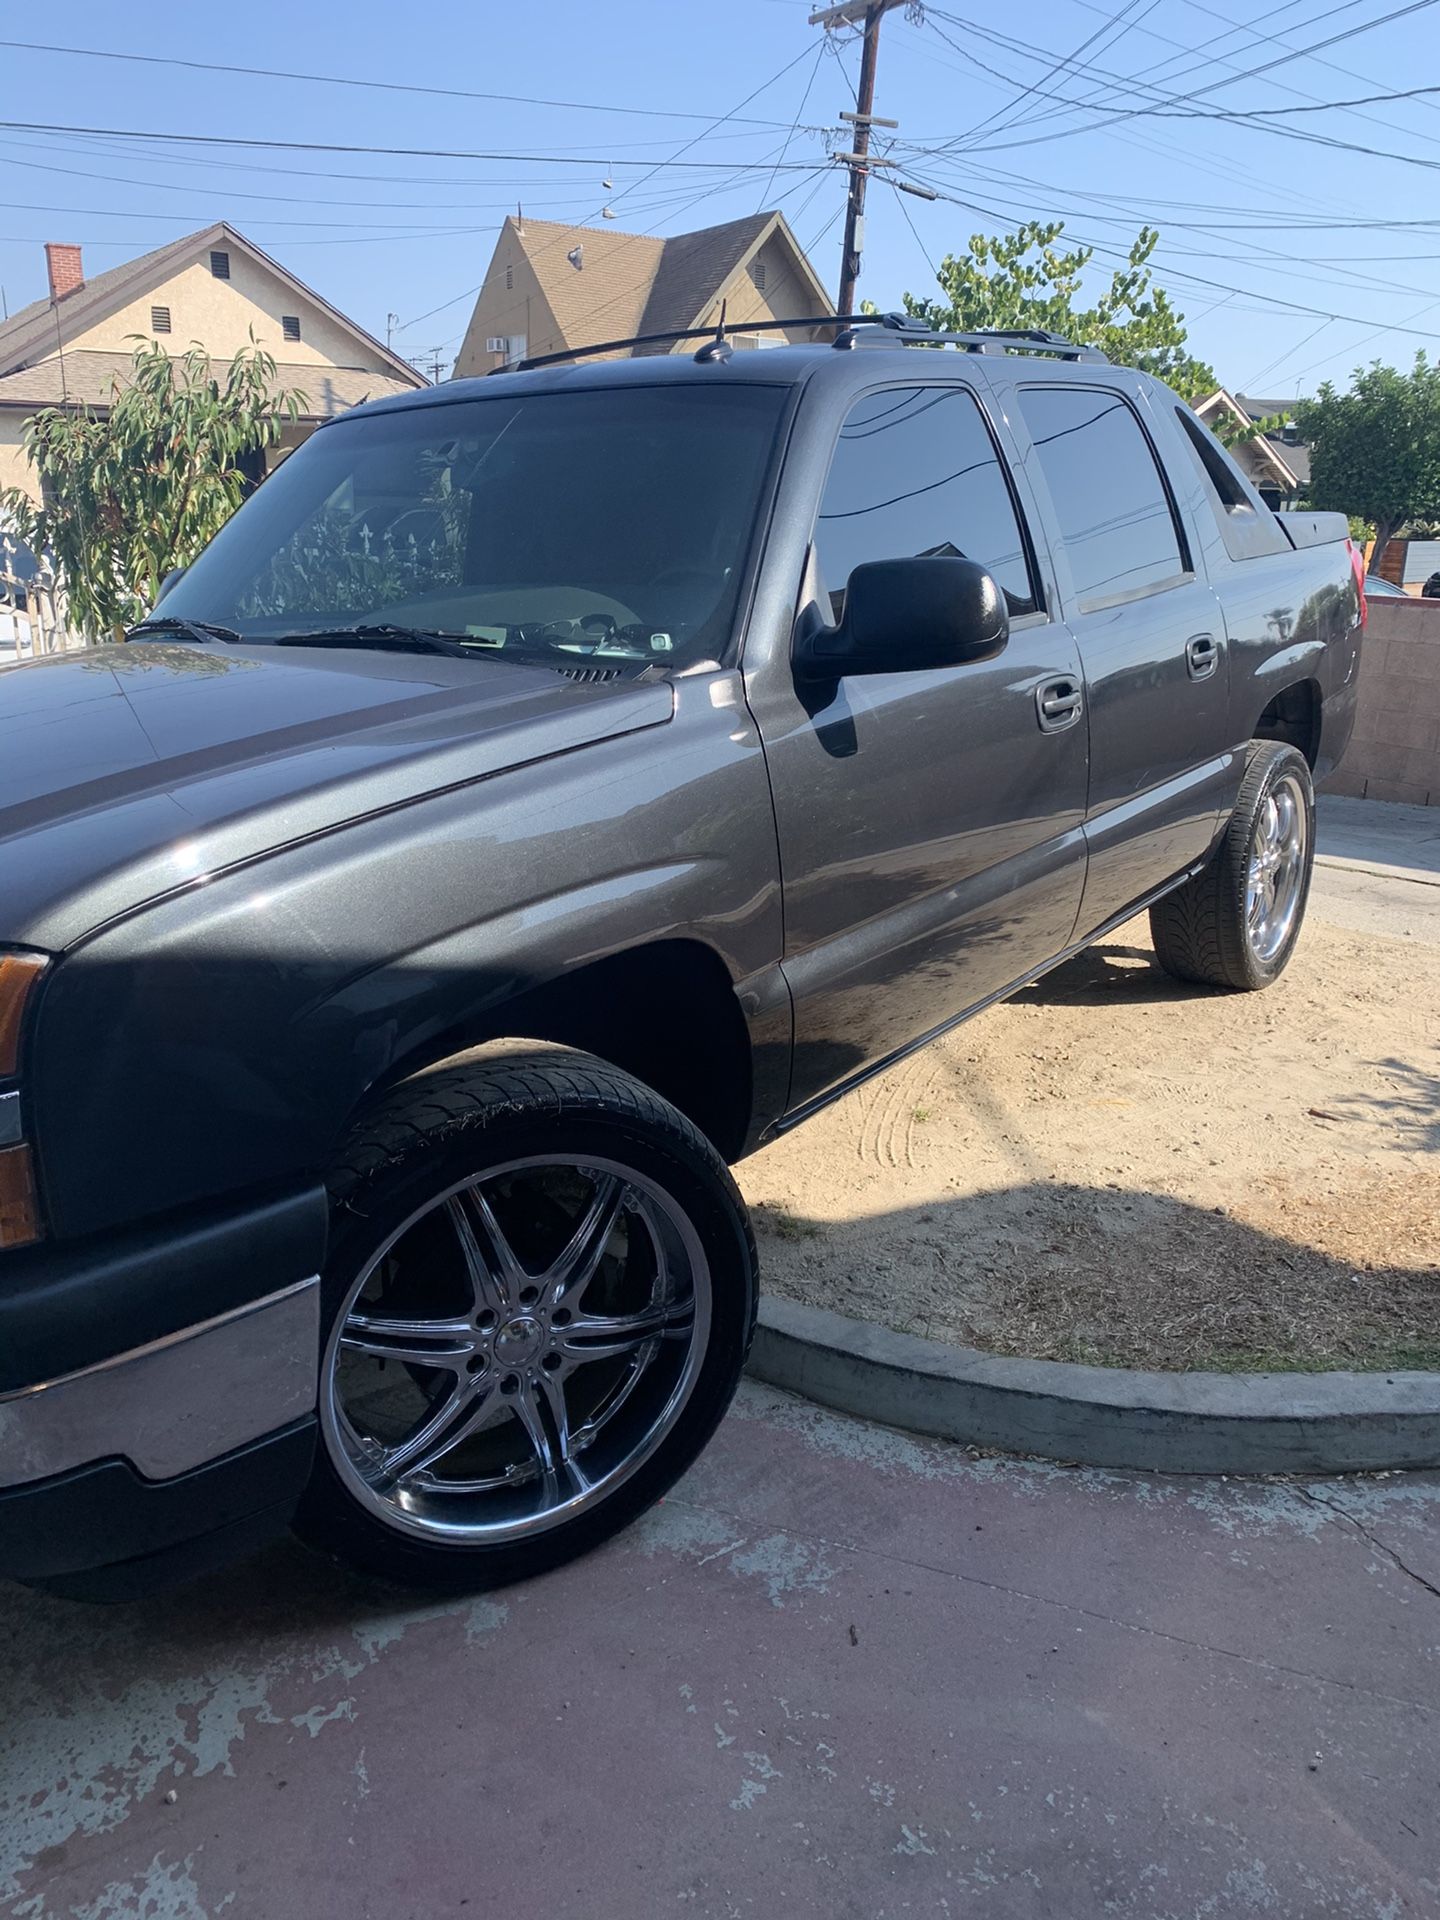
(1202, 655)
(1059, 704)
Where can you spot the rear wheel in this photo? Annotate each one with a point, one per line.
(1236, 923)
(541, 1293)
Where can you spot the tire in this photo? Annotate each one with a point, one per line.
(1220, 929)
(539, 1297)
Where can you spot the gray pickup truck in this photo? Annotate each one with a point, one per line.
(543, 792)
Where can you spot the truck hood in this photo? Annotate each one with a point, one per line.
(128, 771)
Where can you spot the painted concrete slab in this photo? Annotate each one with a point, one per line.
(840, 1672)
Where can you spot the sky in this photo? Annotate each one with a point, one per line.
(1294, 256)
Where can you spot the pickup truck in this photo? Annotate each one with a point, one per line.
(544, 791)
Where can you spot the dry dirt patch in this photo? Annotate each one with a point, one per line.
(1117, 1168)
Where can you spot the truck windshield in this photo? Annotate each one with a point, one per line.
(611, 523)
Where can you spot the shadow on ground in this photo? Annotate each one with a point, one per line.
(1106, 974)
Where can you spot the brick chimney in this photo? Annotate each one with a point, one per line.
(62, 262)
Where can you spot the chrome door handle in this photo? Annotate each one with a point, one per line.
(1059, 704)
(1202, 655)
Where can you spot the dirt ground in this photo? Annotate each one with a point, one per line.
(1116, 1168)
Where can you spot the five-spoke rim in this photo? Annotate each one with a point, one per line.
(1276, 877)
(516, 1349)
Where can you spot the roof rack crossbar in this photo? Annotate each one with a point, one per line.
(855, 330)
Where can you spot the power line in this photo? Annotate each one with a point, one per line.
(412, 153)
(379, 86)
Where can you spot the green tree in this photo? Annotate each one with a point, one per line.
(1375, 451)
(135, 490)
(1025, 279)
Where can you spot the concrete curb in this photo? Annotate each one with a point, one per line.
(1103, 1416)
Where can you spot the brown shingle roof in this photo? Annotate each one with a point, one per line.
(634, 283)
(694, 267)
(88, 379)
(605, 297)
(31, 333)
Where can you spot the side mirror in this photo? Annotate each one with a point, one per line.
(903, 616)
(172, 578)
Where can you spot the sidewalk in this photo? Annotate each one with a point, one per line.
(1377, 867)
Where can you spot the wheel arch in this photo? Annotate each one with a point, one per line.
(666, 1012)
(1294, 714)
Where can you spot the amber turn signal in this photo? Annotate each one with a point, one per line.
(18, 975)
(19, 1208)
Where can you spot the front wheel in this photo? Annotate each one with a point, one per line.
(541, 1291)
(1236, 923)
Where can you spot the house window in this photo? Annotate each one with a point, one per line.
(509, 279)
(290, 325)
(220, 265)
(159, 319)
(757, 274)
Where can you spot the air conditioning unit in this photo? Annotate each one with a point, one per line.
(497, 343)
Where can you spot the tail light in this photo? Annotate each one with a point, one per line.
(1357, 567)
(20, 1222)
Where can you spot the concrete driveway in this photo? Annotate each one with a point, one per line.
(838, 1673)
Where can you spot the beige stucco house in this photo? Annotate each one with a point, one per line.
(1276, 459)
(551, 287)
(214, 286)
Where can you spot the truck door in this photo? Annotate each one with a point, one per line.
(1152, 640)
(930, 823)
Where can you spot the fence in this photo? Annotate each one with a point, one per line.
(34, 618)
(1395, 751)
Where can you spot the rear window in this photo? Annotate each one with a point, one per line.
(1109, 497)
(1247, 525)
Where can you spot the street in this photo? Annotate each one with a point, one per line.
(839, 1672)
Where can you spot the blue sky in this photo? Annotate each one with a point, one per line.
(378, 234)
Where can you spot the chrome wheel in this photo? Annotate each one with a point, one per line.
(1275, 881)
(516, 1350)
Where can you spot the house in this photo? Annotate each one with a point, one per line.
(550, 287)
(214, 286)
(1277, 461)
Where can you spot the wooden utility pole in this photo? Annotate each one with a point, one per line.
(868, 14)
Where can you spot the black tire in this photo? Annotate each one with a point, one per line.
(1201, 930)
(443, 1130)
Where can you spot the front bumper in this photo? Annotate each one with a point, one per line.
(185, 1435)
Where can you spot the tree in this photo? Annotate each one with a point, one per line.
(1375, 451)
(1023, 279)
(135, 490)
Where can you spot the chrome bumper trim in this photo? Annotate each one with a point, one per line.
(176, 1403)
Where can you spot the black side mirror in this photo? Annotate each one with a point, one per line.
(902, 616)
(172, 578)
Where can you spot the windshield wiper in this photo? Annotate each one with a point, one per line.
(391, 639)
(194, 629)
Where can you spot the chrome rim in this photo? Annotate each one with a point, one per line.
(517, 1349)
(1276, 877)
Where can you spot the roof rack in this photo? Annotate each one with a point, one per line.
(855, 330)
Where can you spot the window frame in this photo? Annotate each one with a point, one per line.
(1041, 613)
(1103, 603)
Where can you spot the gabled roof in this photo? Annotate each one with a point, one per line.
(32, 333)
(634, 283)
(1289, 462)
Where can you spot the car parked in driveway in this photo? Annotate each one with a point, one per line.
(544, 791)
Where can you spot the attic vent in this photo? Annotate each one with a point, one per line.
(220, 265)
(290, 326)
(757, 274)
(159, 319)
(509, 279)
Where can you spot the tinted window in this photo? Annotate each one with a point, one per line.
(916, 472)
(612, 522)
(1109, 499)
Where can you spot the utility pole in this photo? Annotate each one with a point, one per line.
(868, 14)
